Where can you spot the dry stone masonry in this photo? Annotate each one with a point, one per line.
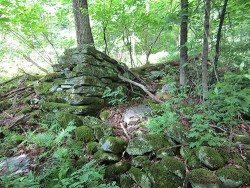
(79, 81)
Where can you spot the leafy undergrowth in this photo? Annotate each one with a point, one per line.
(59, 160)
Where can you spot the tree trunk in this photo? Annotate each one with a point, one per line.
(205, 49)
(183, 40)
(82, 24)
(217, 46)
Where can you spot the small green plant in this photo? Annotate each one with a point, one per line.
(117, 96)
(89, 176)
(167, 117)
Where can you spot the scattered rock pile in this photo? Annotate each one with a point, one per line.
(79, 81)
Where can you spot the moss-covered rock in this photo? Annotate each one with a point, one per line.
(78, 110)
(248, 155)
(44, 88)
(84, 134)
(81, 161)
(225, 154)
(209, 157)
(178, 133)
(112, 171)
(163, 152)
(190, 156)
(64, 118)
(126, 181)
(112, 144)
(91, 121)
(163, 178)
(174, 166)
(104, 157)
(238, 160)
(147, 143)
(104, 115)
(202, 178)
(92, 147)
(140, 177)
(141, 162)
(232, 177)
(53, 76)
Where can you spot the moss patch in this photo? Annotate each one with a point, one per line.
(104, 157)
(210, 157)
(147, 143)
(233, 176)
(104, 115)
(163, 178)
(64, 118)
(204, 179)
(113, 144)
(174, 166)
(92, 147)
(141, 162)
(140, 177)
(116, 169)
(84, 134)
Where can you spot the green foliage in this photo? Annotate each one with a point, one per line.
(117, 96)
(166, 117)
(89, 176)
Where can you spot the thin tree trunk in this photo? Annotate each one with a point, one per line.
(217, 46)
(82, 24)
(183, 40)
(205, 49)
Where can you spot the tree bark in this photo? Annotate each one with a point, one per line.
(183, 40)
(82, 24)
(217, 46)
(205, 49)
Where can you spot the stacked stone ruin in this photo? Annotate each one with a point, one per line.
(79, 81)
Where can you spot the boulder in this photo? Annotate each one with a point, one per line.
(147, 143)
(105, 157)
(232, 177)
(65, 118)
(126, 181)
(92, 147)
(134, 114)
(140, 177)
(203, 178)
(209, 157)
(114, 170)
(112, 144)
(162, 177)
(84, 134)
(141, 162)
(178, 133)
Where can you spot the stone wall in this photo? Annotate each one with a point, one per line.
(79, 81)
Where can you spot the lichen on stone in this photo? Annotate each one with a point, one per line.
(112, 144)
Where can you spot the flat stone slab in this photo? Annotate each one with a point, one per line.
(15, 165)
(135, 113)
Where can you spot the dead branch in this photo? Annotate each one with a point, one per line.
(34, 63)
(4, 83)
(125, 131)
(16, 90)
(140, 86)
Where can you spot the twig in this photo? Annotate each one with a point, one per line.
(17, 90)
(11, 80)
(140, 86)
(125, 131)
(34, 63)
